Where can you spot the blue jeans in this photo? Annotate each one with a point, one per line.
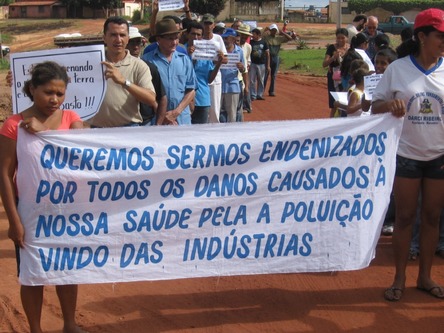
(200, 115)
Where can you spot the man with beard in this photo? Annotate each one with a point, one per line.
(356, 26)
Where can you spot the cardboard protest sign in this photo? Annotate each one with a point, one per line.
(370, 83)
(87, 85)
(204, 50)
(165, 5)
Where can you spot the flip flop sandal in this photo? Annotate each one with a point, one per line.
(439, 293)
(393, 294)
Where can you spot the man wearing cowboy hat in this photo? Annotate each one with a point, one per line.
(153, 20)
(128, 80)
(176, 72)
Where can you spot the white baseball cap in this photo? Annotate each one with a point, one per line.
(273, 26)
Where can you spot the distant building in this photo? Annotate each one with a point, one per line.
(37, 9)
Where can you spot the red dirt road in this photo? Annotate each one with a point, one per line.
(323, 302)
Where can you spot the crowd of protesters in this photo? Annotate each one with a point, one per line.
(415, 216)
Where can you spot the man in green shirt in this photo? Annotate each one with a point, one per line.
(274, 39)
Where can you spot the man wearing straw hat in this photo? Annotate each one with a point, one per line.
(176, 72)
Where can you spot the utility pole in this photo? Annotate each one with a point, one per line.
(142, 9)
(282, 9)
(339, 18)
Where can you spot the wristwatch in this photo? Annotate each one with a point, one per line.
(127, 84)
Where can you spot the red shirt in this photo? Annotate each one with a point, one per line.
(10, 127)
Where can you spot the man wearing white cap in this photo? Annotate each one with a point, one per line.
(274, 39)
(136, 41)
(150, 115)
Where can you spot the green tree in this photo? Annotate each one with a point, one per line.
(207, 6)
(5, 2)
(72, 6)
(105, 5)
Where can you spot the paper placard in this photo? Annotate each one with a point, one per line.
(87, 86)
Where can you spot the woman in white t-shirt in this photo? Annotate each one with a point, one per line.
(413, 88)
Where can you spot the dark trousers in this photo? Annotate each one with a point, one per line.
(274, 65)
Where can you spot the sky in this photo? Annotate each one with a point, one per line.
(301, 3)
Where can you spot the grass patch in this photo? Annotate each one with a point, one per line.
(307, 61)
(24, 26)
(14, 27)
(4, 64)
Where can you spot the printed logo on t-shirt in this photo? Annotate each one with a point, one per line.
(430, 111)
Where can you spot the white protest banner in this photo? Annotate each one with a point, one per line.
(168, 202)
(370, 83)
(87, 85)
(165, 5)
(204, 50)
(233, 59)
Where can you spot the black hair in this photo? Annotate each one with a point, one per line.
(389, 53)
(349, 56)
(186, 22)
(412, 46)
(360, 17)
(406, 33)
(176, 19)
(382, 41)
(116, 20)
(195, 25)
(358, 63)
(358, 75)
(256, 31)
(358, 40)
(341, 31)
(43, 73)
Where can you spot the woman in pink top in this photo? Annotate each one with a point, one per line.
(46, 89)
